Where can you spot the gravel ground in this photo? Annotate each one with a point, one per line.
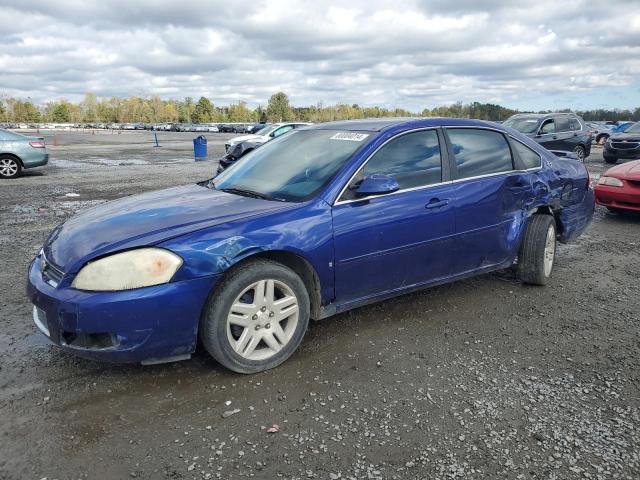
(483, 378)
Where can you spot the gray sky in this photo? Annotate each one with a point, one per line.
(413, 54)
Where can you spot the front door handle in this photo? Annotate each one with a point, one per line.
(437, 203)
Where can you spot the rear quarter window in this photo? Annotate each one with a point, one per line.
(528, 157)
(479, 152)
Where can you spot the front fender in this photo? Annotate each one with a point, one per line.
(305, 231)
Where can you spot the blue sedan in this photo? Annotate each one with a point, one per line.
(317, 222)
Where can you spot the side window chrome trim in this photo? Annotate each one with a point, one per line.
(423, 129)
(433, 185)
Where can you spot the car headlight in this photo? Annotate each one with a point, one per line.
(611, 181)
(138, 268)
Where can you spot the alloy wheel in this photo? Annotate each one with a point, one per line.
(262, 319)
(8, 167)
(549, 251)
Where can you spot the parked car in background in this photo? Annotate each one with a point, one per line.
(267, 133)
(257, 127)
(554, 131)
(618, 188)
(624, 145)
(238, 147)
(599, 132)
(320, 221)
(621, 127)
(18, 152)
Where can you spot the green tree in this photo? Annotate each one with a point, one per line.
(89, 107)
(185, 110)
(203, 111)
(61, 113)
(278, 108)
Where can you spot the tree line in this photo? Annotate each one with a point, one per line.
(156, 110)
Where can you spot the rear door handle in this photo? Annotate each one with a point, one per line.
(437, 203)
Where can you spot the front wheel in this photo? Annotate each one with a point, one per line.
(256, 318)
(537, 252)
(580, 152)
(610, 160)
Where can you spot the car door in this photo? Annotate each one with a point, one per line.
(547, 134)
(489, 197)
(392, 241)
(564, 137)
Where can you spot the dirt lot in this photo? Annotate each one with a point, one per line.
(484, 378)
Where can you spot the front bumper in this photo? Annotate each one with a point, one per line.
(626, 197)
(625, 153)
(145, 324)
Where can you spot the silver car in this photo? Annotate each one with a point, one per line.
(18, 152)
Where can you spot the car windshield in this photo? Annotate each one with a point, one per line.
(291, 168)
(268, 129)
(523, 124)
(635, 128)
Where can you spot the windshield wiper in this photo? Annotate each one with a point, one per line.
(246, 193)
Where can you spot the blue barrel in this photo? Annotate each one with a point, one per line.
(200, 147)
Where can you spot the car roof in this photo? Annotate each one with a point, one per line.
(544, 115)
(381, 124)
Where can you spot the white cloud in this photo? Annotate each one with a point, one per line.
(412, 54)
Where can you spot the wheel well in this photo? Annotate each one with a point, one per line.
(547, 210)
(15, 157)
(299, 265)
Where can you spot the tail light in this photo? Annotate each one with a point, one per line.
(37, 144)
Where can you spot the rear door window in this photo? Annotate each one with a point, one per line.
(562, 124)
(574, 124)
(479, 152)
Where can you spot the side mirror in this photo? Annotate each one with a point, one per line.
(377, 184)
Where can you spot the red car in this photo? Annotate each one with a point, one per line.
(619, 187)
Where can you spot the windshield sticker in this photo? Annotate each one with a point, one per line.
(351, 136)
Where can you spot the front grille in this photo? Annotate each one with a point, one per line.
(50, 271)
(625, 145)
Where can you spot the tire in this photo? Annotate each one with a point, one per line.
(610, 160)
(10, 167)
(580, 152)
(537, 252)
(600, 139)
(240, 332)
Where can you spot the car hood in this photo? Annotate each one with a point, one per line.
(633, 137)
(146, 219)
(243, 138)
(627, 171)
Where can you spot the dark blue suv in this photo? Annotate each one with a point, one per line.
(316, 222)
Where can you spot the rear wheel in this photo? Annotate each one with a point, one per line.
(10, 167)
(537, 252)
(580, 152)
(256, 318)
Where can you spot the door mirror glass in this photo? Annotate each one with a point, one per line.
(377, 184)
